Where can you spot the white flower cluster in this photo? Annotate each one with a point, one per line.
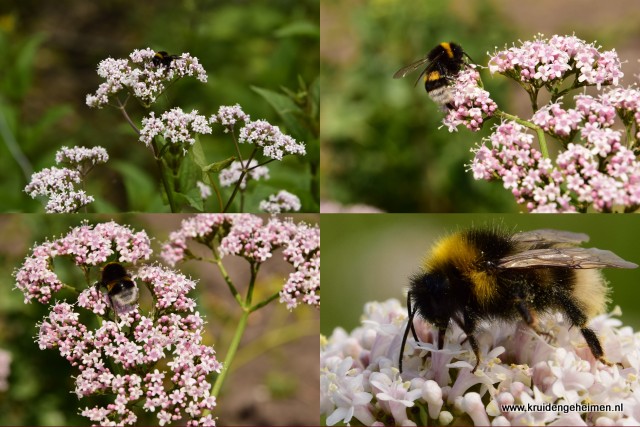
(59, 184)
(141, 77)
(360, 381)
(76, 156)
(281, 202)
(274, 143)
(231, 175)
(175, 126)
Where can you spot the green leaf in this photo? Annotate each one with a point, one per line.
(198, 154)
(287, 110)
(142, 193)
(190, 199)
(299, 28)
(24, 65)
(218, 166)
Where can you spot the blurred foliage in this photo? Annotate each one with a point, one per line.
(372, 257)
(381, 142)
(48, 58)
(41, 383)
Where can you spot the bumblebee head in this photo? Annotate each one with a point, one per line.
(432, 296)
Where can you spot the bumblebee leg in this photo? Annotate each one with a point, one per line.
(441, 333)
(413, 329)
(476, 351)
(579, 319)
(468, 327)
(530, 316)
(405, 335)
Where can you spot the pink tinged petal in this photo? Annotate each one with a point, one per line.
(472, 405)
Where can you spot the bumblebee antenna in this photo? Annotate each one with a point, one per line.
(406, 330)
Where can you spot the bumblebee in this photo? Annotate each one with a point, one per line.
(121, 290)
(444, 62)
(163, 58)
(489, 274)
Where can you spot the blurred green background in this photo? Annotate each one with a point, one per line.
(266, 385)
(372, 257)
(49, 53)
(380, 139)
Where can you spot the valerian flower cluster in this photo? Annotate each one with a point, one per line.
(172, 134)
(141, 78)
(152, 361)
(249, 237)
(360, 381)
(60, 184)
(596, 167)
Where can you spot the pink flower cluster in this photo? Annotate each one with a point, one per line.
(140, 77)
(601, 172)
(173, 334)
(360, 381)
(471, 103)
(509, 155)
(176, 127)
(86, 246)
(154, 362)
(274, 143)
(543, 61)
(249, 237)
(281, 202)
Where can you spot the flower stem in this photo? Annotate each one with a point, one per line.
(231, 353)
(537, 129)
(242, 175)
(264, 302)
(163, 176)
(226, 278)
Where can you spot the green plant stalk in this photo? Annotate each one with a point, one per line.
(231, 353)
(264, 302)
(215, 189)
(163, 176)
(242, 175)
(228, 281)
(537, 129)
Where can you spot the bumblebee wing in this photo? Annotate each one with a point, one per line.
(410, 68)
(549, 236)
(565, 257)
